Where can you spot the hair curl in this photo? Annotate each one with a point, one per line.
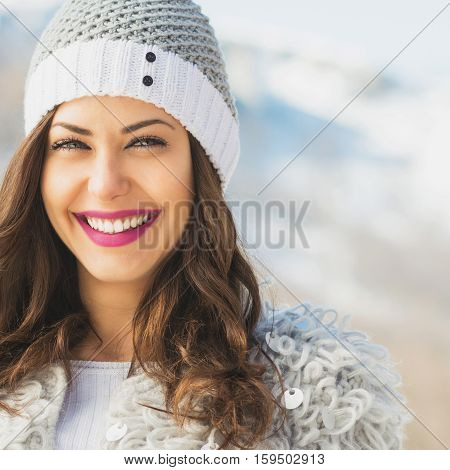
(192, 329)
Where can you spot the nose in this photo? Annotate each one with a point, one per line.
(107, 180)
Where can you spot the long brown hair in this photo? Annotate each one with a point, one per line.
(192, 330)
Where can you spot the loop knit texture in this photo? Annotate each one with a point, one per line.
(349, 387)
(161, 51)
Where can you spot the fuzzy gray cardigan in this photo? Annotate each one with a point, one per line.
(344, 390)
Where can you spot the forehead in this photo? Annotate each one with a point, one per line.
(110, 110)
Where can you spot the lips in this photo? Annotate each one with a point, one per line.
(116, 239)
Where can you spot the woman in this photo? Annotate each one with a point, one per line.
(130, 317)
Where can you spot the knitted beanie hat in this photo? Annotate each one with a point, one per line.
(160, 51)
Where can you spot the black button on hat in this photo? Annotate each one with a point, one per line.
(150, 56)
(147, 80)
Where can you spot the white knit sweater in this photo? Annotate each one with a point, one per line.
(342, 395)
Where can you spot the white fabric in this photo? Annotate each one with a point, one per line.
(348, 388)
(117, 68)
(86, 400)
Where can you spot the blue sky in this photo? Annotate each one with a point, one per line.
(379, 28)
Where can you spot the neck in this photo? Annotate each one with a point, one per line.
(91, 350)
(111, 307)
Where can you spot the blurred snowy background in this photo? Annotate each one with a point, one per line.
(377, 224)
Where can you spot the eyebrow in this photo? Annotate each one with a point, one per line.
(125, 130)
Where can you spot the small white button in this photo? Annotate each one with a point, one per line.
(272, 342)
(116, 432)
(207, 446)
(293, 398)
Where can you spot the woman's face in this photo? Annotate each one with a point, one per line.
(101, 167)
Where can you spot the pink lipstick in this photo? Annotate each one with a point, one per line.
(121, 238)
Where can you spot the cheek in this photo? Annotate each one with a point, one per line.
(174, 170)
(56, 189)
(171, 186)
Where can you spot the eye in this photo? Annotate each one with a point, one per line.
(154, 141)
(64, 144)
(71, 143)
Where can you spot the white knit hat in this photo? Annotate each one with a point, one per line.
(160, 51)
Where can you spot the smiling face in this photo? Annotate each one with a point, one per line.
(93, 164)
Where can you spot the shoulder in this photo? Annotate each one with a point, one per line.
(340, 388)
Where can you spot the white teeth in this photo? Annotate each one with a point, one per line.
(108, 226)
(117, 225)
